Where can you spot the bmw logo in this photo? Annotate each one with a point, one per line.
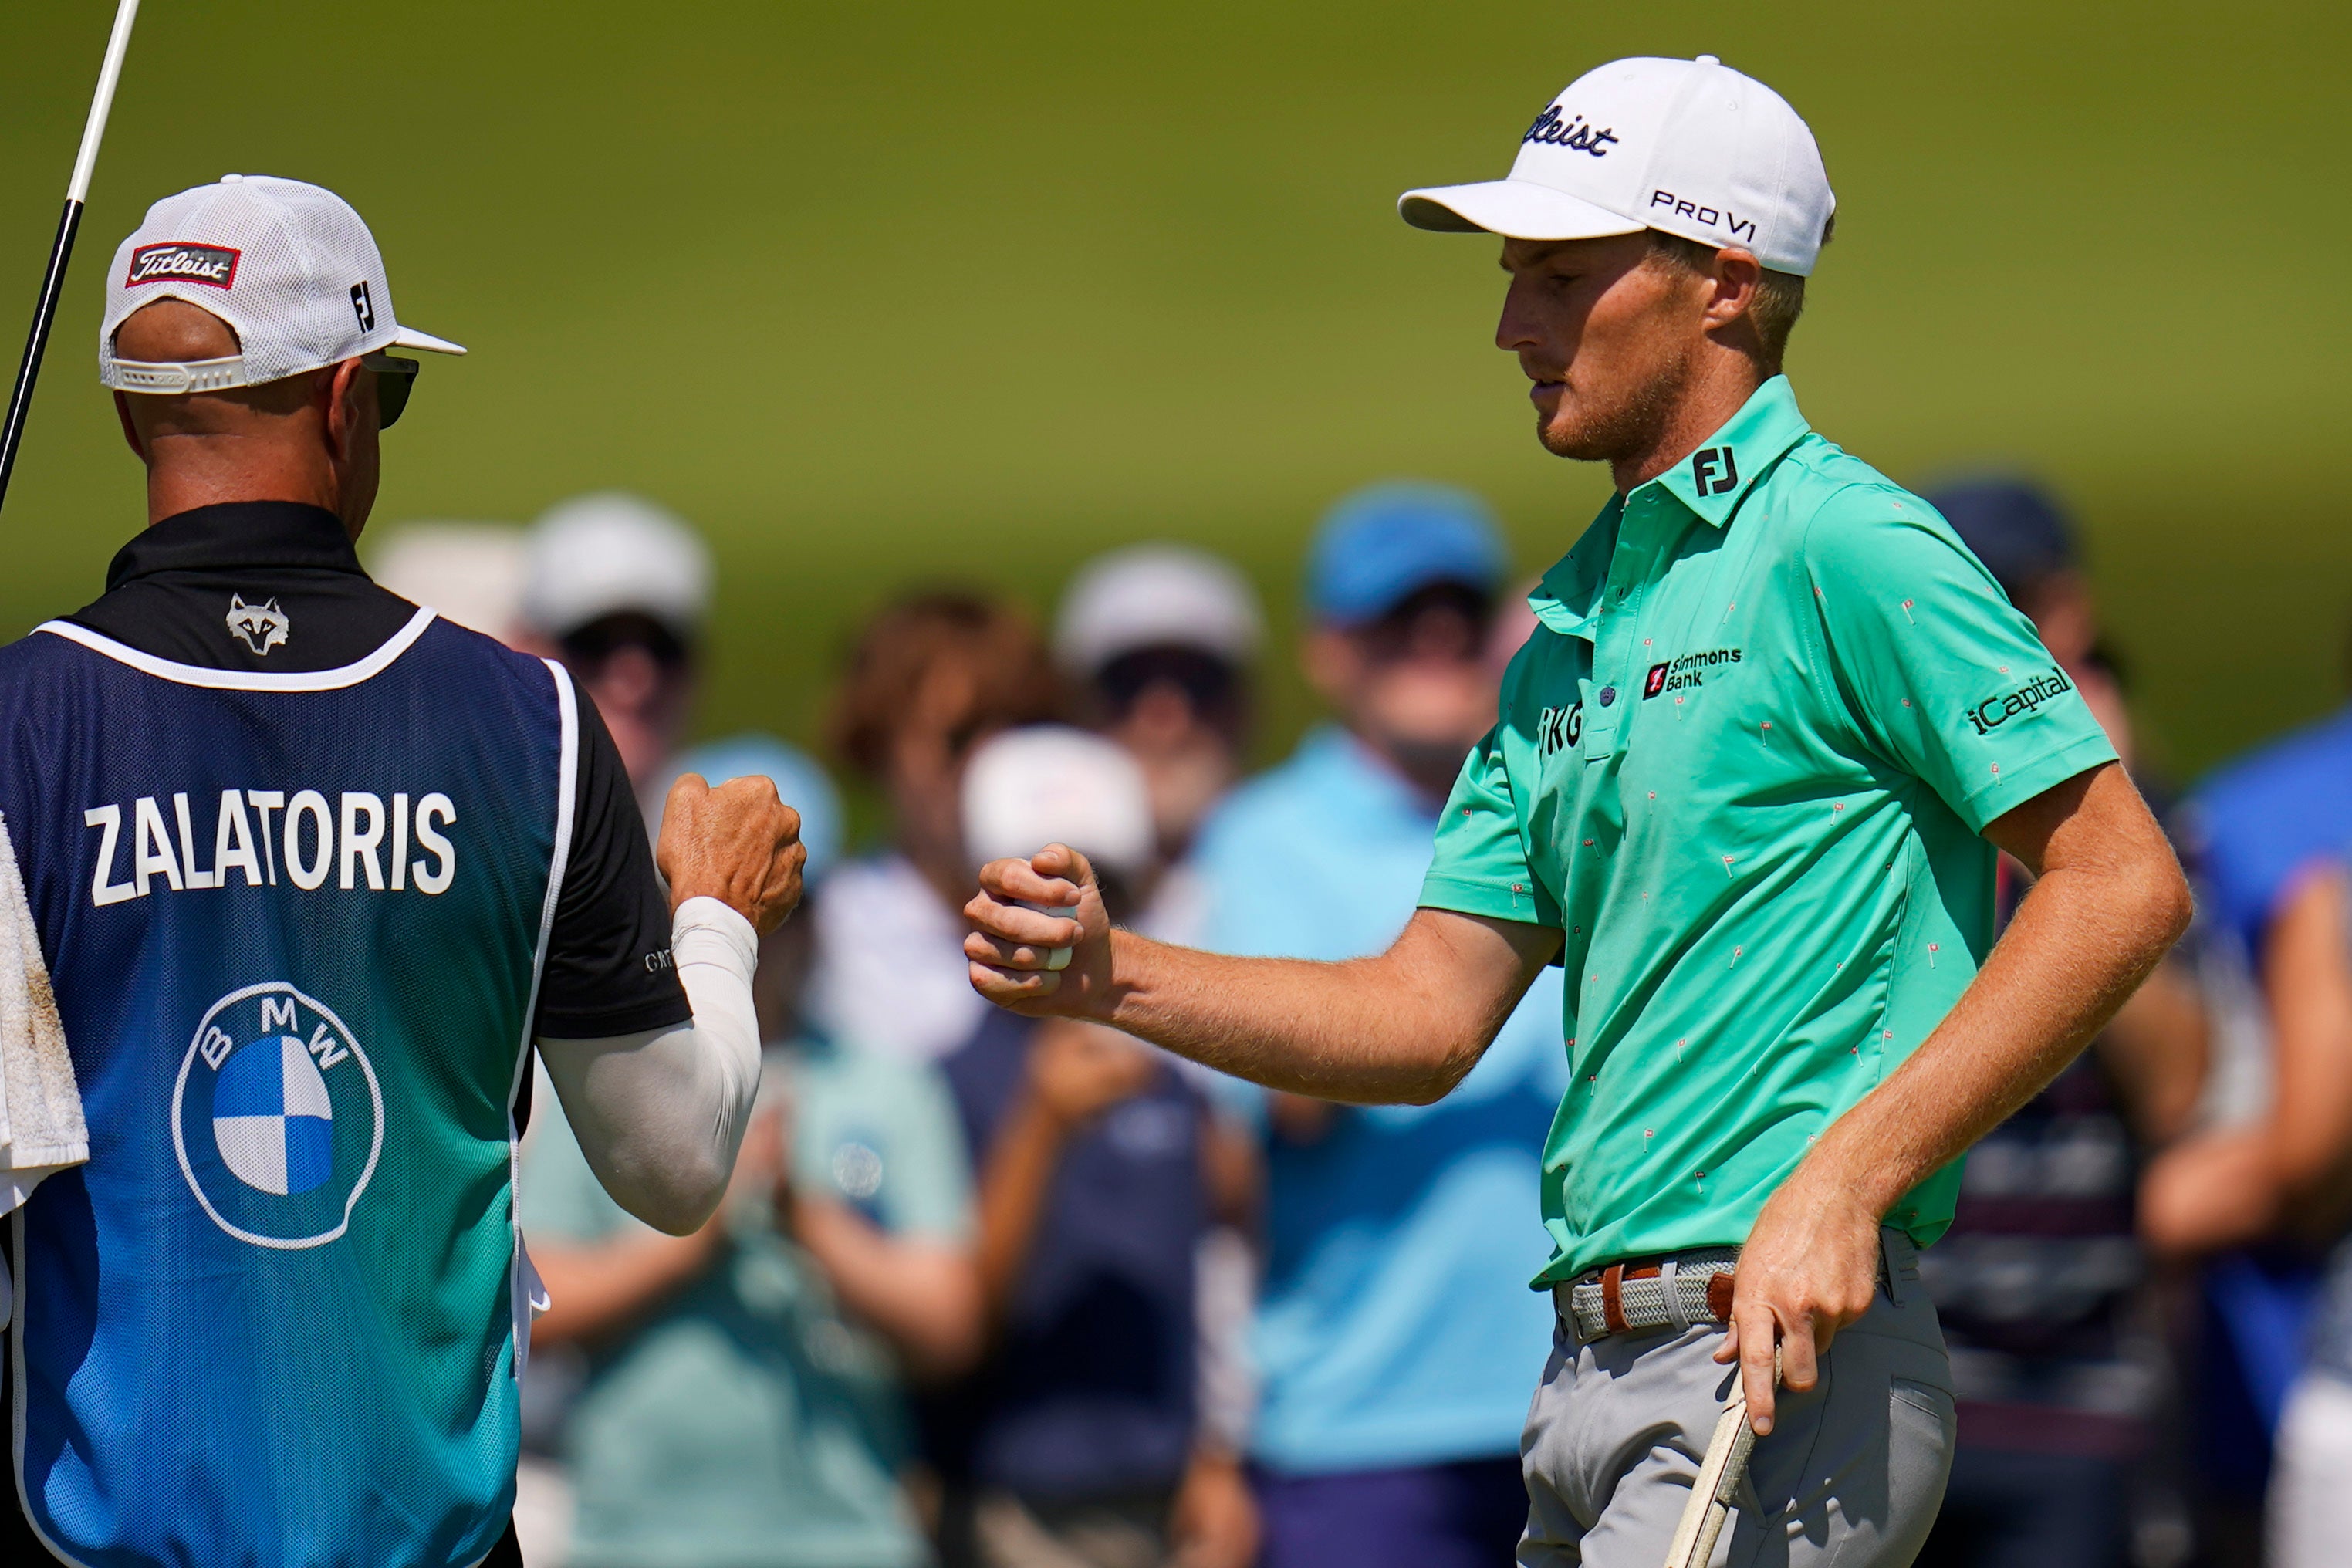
(277, 1118)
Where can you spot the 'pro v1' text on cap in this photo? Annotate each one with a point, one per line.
(288, 266)
(1687, 147)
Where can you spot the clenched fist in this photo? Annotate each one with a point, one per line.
(738, 844)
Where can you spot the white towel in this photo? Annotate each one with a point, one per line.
(41, 1126)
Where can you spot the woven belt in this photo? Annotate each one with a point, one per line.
(1639, 1297)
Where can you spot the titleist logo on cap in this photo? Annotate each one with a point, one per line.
(1572, 130)
(213, 266)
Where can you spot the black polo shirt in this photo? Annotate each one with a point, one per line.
(271, 586)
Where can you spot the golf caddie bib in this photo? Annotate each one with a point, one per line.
(294, 923)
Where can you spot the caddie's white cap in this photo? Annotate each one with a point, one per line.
(1156, 595)
(1050, 783)
(1687, 147)
(288, 266)
(600, 554)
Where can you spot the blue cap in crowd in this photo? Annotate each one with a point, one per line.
(799, 782)
(2011, 525)
(1382, 545)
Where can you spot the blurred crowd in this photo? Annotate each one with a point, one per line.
(990, 1293)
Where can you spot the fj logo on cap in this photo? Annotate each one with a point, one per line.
(1573, 132)
(362, 306)
(213, 266)
(1707, 465)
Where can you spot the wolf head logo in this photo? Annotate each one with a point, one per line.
(263, 627)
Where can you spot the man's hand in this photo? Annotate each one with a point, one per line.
(1010, 946)
(738, 844)
(1809, 1267)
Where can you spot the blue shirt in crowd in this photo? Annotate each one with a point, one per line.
(2253, 828)
(1396, 1326)
(2257, 823)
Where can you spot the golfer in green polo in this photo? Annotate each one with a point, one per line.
(1747, 786)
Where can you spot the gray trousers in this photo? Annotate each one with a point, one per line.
(1851, 1477)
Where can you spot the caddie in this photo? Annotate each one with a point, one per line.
(1747, 785)
(294, 875)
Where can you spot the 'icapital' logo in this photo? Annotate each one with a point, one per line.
(263, 627)
(1994, 712)
(277, 1118)
(213, 266)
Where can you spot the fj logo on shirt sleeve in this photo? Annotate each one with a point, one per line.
(1708, 464)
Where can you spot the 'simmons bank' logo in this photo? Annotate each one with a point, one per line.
(277, 1118)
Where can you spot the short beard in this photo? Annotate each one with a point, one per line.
(1632, 428)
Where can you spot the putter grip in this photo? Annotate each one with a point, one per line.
(1059, 957)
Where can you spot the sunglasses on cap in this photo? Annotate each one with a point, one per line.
(396, 378)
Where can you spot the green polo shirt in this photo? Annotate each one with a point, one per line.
(1742, 765)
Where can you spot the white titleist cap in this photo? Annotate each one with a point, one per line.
(1049, 783)
(290, 267)
(1156, 595)
(1687, 147)
(599, 554)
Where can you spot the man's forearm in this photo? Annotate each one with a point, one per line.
(659, 1114)
(2080, 942)
(1371, 1031)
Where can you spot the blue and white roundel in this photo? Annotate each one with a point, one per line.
(272, 1118)
(277, 1118)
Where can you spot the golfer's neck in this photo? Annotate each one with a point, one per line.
(1719, 387)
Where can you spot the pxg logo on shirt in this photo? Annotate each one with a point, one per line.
(1994, 712)
(1558, 728)
(277, 1118)
(1573, 132)
(213, 266)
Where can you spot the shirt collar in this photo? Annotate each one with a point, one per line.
(1713, 479)
(238, 535)
(1711, 482)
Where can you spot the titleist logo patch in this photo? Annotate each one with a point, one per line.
(215, 266)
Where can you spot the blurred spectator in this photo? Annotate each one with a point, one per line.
(2309, 976)
(1077, 1443)
(1396, 1335)
(744, 1400)
(471, 573)
(929, 679)
(2041, 1283)
(1162, 641)
(618, 587)
(2257, 1193)
(1161, 638)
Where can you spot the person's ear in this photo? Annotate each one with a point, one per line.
(345, 390)
(1737, 275)
(130, 430)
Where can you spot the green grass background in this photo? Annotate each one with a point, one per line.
(885, 292)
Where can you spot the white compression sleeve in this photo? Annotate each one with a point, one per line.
(660, 1114)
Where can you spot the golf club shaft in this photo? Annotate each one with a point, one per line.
(53, 283)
